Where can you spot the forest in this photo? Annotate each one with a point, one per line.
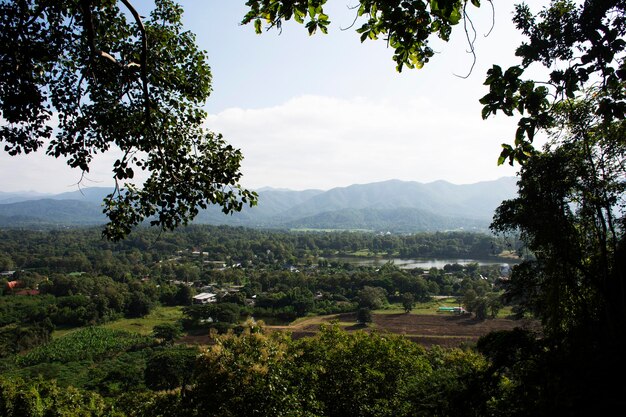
(71, 282)
(81, 279)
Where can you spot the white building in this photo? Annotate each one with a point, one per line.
(204, 298)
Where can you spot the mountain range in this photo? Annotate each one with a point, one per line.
(394, 205)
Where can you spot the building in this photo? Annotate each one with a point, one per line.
(204, 298)
(12, 285)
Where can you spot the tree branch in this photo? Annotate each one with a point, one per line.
(144, 58)
(470, 41)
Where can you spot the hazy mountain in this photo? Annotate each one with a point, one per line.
(92, 194)
(272, 202)
(393, 205)
(16, 197)
(49, 211)
(397, 220)
(476, 201)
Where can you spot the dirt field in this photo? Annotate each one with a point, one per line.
(444, 330)
(428, 330)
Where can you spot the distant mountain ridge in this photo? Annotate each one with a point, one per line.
(394, 205)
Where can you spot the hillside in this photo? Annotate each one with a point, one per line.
(399, 206)
(49, 211)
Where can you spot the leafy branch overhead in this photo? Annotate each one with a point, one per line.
(406, 26)
(581, 47)
(79, 78)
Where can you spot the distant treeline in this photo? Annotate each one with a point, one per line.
(83, 250)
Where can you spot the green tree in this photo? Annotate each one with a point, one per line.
(469, 297)
(39, 398)
(580, 46)
(480, 307)
(117, 80)
(227, 312)
(364, 315)
(167, 332)
(569, 211)
(247, 376)
(494, 304)
(170, 368)
(347, 374)
(408, 302)
(6, 262)
(372, 297)
(572, 191)
(139, 305)
(184, 295)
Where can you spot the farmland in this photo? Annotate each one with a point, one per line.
(445, 330)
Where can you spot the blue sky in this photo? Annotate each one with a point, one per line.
(328, 111)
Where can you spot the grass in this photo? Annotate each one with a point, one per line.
(505, 312)
(143, 325)
(427, 308)
(432, 308)
(60, 332)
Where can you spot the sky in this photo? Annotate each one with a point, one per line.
(328, 111)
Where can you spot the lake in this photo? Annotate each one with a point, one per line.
(426, 263)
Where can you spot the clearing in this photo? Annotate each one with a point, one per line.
(443, 330)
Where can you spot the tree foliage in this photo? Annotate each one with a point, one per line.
(167, 332)
(21, 399)
(364, 315)
(170, 368)
(408, 301)
(79, 78)
(355, 374)
(570, 208)
(579, 45)
(372, 297)
(406, 26)
(570, 213)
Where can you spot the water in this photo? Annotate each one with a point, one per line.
(420, 263)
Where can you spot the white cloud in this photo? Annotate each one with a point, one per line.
(40, 172)
(323, 142)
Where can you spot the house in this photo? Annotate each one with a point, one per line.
(12, 285)
(232, 288)
(204, 298)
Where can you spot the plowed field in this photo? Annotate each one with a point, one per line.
(428, 330)
(444, 330)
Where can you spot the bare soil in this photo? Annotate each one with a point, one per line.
(428, 330)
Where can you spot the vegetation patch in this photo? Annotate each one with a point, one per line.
(85, 344)
(144, 325)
